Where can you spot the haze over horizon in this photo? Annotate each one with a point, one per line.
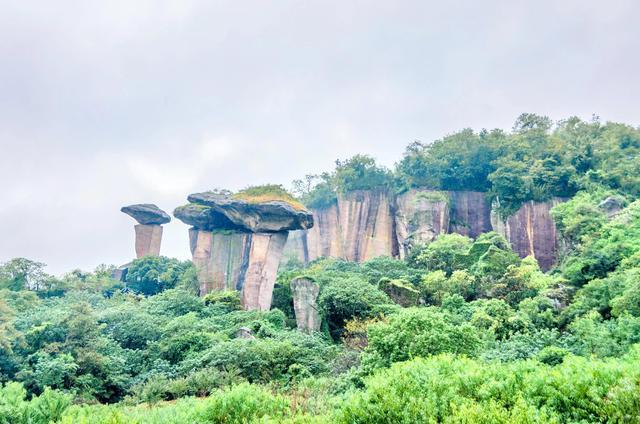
(119, 103)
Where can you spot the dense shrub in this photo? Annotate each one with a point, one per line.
(451, 389)
(416, 332)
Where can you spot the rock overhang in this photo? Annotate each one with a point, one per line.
(211, 211)
(146, 214)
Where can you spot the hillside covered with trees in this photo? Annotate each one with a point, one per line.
(462, 330)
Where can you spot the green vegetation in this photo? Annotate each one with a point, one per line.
(268, 193)
(536, 160)
(462, 331)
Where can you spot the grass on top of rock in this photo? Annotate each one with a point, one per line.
(268, 193)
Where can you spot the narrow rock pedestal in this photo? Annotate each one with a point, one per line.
(305, 293)
(148, 240)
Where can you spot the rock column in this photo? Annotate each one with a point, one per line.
(305, 292)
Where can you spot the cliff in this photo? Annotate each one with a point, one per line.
(366, 224)
(531, 231)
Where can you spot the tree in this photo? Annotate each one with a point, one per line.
(24, 274)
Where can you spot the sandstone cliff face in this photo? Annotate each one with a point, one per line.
(470, 213)
(531, 231)
(148, 240)
(366, 224)
(420, 216)
(325, 238)
(247, 262)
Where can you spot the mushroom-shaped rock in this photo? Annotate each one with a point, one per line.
(149, 228)
(237, 243)
(147, 214)
(216, 211)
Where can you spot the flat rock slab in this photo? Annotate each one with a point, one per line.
(211, 211)
(147, 214)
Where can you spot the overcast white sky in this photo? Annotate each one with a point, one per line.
(108, 103)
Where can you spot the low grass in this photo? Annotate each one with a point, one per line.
(268, 193)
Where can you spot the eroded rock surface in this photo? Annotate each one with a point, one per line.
(273, 216)
(421, 215)
(470, 213)
(305, 293)
(531, 231)
(148, 240)
(366, 224)
(146, 214)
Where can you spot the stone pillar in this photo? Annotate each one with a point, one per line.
(247, 262)
(305, 292)
(260, 277)
(148, 240)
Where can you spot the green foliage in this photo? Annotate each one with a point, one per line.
(152, 274)
(350, 297)
(442, 253)
(268, 193)
(416, 332)
(243, 403)
(450, 389)
(360, 173)
(227, 299)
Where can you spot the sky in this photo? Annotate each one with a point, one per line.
(109, 103)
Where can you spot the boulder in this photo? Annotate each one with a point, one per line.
(400, 291)
(146, 214)
(611, 206)
(304, 293)
(224, 211)
(245, 333)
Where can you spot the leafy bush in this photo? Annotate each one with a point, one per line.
(416, 332)
(450, 389)
(152, 274)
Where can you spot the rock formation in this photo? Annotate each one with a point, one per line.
(149, 228)
(470, 213)
(305, 292)
(365, 224)
(611, 206)
(237, 245)
(421, 215)
(531, 231)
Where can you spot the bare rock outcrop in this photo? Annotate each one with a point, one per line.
(420, 216)
(364, 224)
(305, 293)
(531, 231)
(238, 245)
(470, 213)
(148, 240)
(149, 228)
